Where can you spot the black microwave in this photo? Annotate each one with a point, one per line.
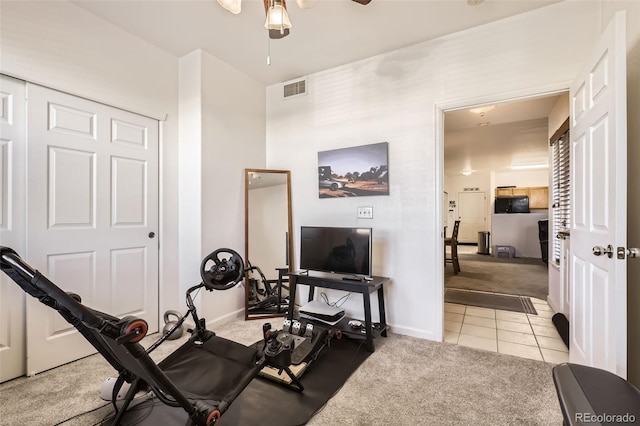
(519, 204)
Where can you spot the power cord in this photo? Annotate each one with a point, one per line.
(338, 303)
(82, 414)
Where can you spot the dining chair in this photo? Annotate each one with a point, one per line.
(453, 243)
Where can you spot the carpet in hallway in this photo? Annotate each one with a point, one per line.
(506, 276)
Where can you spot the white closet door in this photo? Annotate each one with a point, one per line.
(92, 216)
(12, 223)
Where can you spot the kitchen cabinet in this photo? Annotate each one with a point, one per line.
(538, 195)
(504, 192)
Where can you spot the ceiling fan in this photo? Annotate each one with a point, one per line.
(277, 19)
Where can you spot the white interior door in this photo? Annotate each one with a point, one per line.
(599, 205)
(472, 212)
(93, 206)
(12, 223)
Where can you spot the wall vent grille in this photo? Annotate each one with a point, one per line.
(296, 88)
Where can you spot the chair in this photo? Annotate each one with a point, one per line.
(453, 243)
(195, 384)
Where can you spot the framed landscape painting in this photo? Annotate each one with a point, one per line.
(354, 172)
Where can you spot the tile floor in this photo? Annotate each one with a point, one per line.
(506, 332)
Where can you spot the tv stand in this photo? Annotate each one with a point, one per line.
(350, 278)
(364, 287)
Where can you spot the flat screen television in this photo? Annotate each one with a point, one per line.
(337, 250)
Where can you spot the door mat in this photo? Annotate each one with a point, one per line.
(493, 301)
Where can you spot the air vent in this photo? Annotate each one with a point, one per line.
(295, 88)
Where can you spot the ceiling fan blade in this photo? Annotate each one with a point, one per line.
(233, 6)
(306, 4)
(364, 2)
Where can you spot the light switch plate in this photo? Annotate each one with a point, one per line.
(365, 212)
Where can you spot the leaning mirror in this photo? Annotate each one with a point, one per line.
(268, 240)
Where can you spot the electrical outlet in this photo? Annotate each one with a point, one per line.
(365, 212)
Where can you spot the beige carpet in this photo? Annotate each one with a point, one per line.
(407, 381)
(522, 277)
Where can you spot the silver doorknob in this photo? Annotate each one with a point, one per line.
(631, 252)
(599, 251)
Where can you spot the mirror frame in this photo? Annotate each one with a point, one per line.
(289, 241)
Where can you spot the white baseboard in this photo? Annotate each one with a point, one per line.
(414, 332)
(238, 314)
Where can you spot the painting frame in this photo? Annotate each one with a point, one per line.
(355, 171)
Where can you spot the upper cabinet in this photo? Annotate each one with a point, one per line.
(538, 195)
(504, 192)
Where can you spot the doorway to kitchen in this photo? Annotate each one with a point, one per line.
(497, 301)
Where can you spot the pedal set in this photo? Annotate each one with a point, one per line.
(298, 328)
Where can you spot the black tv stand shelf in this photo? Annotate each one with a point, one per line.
(336, 282)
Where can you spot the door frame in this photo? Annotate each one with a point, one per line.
(441, 107)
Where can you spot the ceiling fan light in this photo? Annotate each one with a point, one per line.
(233, 6)
(277, 16)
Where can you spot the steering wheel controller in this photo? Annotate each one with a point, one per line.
(222, 269)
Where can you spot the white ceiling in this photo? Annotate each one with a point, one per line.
(331, 33)
(517, 134)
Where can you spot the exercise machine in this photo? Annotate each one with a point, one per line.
(266, 296)
(195, 384)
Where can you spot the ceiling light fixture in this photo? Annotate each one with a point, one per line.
(277, 18)
(467, 172)
(482, 110)
(529, 166)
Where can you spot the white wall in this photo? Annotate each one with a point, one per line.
(190, 178)
(522, 178)
(233, 138)
(222, 117)
(519, 230)
(59, 45)
(358, 104)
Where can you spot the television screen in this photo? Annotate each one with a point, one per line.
(338, 250)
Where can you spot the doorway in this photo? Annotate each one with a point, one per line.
(487, 147)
